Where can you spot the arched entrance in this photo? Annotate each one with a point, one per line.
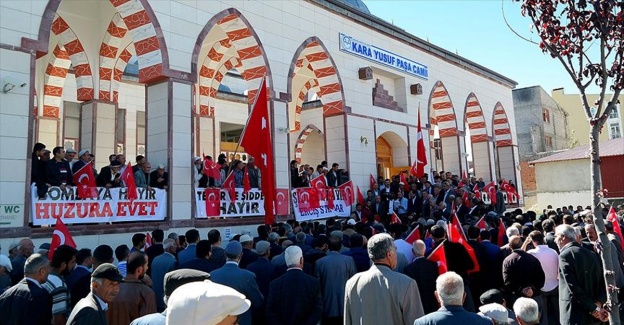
(310, 147)
(446, 147)
(477, 139)
(392, 155)
(505, 153)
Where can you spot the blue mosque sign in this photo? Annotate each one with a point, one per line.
(370, 52)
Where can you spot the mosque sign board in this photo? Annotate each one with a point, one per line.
(324, 209)
(110, 205)
(378, 55)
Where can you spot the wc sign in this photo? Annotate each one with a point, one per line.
(11, 215)
(370, 52)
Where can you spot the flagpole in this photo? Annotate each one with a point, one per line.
(435, 249)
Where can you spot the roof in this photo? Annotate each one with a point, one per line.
(608, 148)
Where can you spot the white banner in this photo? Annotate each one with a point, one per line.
(250, 204)
(340, 208)
(111, 205)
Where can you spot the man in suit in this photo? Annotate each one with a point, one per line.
(549, 234)
(217, 254)
(302, 305)
(334, 270)
(192, 237)
(450, 294)
(265, 272)
(478, 279)
(425, 273)
(380, 207)
(249, 256)
(91, 310)
(522, 274)
(27, 303)
(581, 285)
(79, 280)
(334, 176)
(201, 261)
(395, 296)
(358, 252)
(110, 176)
(241, 280)
(162, 265)
(155, 249)
(25, 248)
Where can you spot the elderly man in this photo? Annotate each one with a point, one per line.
(303, 305)
(206, 303)
(450, 294)
(425, 273)
(159, 178)
(142, 176)
(25, 248)
(581, 285)
(526, 311)
(522, 273)
(380, 295)
(27, 302)
(91, 310)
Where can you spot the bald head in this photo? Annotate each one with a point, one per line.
(26, 247)
(419, 248)
(515, 242)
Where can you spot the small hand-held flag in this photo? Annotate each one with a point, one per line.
(257, 141)
(457, 235)
(85, 182)
(346, 192)
(491, 190)
(128, 178)
(438, 255)
(612, 217)
(361, 197)
(481, 224)
(230, 186)
(395, 218)
(211, 168)
(502, 232)
(213, 202)
(148, 240)
(246, 181)
(61, 236)
(413, 236)
(320, 184)
(372, 181)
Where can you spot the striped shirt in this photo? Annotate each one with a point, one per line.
(61, 300)
(123, 268)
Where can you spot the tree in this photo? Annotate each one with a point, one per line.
(587, 37)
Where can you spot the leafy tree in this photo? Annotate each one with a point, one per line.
(587, 38)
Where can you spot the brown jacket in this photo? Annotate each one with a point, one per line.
(134, 300)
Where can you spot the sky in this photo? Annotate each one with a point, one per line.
(476, 30)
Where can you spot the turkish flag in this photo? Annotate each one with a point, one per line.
(372, 181)
(481, 223)
(456, 235)
(491, 190)
(246, 182)
(307, 199)
(512, 195)
(616, 224)
(439, 256)
(61, 236)
(85, 181)
(230, 186)
(395, 218)
(413, 236)
(211, 168)
(346, 191)
(282, 206)
(464, 175)
(331, 196)
(476, 191)
(213, 202)
(319, 183)
(502, 232)
(418, 168)
(256, 139)
(128, 178)
(402, 178)
(148, 240)
(361, 197)
(466, 199)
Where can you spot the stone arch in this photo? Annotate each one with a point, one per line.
(480, 146)
(303, 136)
(313, 57)
(442, 111)
(501, 127)
(237, 46)
(111, 43)
(400, 154)
(54, 81)
(144, 30)
(120, 67)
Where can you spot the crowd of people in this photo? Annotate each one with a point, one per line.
(57, 170)
(547, 270)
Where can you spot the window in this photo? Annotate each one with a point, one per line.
(614, 112)
(546, 115)
(548, 142)
(120, 132)
(141, 136)
(615, 131)
(71, 125)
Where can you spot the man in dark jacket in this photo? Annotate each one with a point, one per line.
(287, 306)
(105, 282)
(425, 273)
(58, 172)
(522, 274)
(110, 176)
(265, 272)
(38, 169)
(201, 261)
(358, 252)
(581, 285)
(27, 303)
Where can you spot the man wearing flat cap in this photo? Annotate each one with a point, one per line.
(91, 310)
(173, 280)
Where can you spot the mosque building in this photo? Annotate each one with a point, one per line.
(171, 80)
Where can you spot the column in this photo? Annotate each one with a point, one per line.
(451, 154)
(335, 140)
(481, 160)
(97, 132)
